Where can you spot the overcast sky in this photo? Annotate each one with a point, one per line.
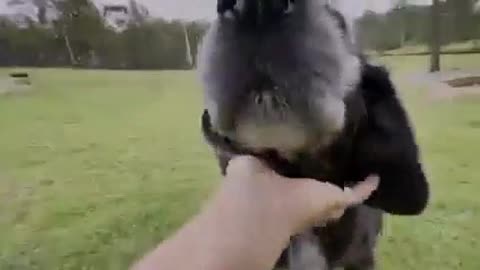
(205, 9)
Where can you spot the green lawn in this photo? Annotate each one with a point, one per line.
(96, 167)
(458, 46)
(401, 65)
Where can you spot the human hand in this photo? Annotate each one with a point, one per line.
(251, 219)
(293, 204)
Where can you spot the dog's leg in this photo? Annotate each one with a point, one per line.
(306, 253)
(366, 265)
(362, 253)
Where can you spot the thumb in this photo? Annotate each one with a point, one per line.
(353, 197)
(361, 192)
(246, 164)
(319, 202)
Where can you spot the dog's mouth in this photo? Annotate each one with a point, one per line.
(288, 166)
(232, 148)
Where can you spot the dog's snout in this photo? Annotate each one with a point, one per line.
(261, 83)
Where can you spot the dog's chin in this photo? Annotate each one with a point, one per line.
(286, 138)
(286, 135)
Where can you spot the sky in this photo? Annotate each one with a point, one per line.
(205, 9)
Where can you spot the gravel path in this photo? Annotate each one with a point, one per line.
(437, 86)
(8, 86)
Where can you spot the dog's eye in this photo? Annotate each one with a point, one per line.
(227, 140)
(229, 14)
(290, 7)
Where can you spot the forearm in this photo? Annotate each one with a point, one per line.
(249, 221)
(224, 236)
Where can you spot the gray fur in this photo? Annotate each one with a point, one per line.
(306, 254)
(310, 65)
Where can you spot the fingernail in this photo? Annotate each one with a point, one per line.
(365, 189)
(374, 180)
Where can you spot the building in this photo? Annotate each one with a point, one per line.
(116, 17)
(119, 16)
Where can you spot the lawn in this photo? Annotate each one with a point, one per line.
(452, 47)
(96, 167)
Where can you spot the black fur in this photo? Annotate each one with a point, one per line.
(378, 139)
(225, 5)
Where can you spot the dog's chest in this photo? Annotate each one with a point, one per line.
(331, 165)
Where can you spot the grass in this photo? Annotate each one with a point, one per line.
(401, 65)
(452, 47)
(448, 235)
(96, 167)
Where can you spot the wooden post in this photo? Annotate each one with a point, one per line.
(435, 37)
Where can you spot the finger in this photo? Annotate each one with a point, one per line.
(361, 192)
(341, 200)
(245, 164)
(325, 202)
(321, 196)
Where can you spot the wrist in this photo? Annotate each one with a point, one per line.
(243, 233)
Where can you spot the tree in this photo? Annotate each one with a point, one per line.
(402, 6)
(81, 27)
(196, 30)
(42, 6)
(188, 47)
(139, 13)
(463, 18)
(435, 36)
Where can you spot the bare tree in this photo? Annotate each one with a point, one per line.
(402, 6)
(435, 36)
(188, 47)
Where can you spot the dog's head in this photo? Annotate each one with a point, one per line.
(276, 73)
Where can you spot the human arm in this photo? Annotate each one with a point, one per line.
(250, 219)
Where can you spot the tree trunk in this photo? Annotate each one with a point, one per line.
(188, 52)
(435, 36)
(402, 6)
(73, 60)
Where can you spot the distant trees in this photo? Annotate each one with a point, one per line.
(462, 17)
(78, 35)
(400, 26)
(411, 24)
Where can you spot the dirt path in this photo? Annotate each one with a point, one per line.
(439, 89)
(8, 86)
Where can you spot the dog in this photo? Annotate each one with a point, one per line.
(284, 81)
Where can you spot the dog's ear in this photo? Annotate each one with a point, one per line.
(386, 145)
(225, 5)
